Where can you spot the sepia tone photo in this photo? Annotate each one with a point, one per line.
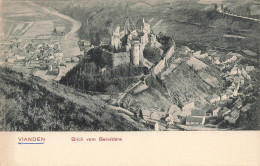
(129, 65)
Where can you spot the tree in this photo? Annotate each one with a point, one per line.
(97, 40)
(111, 89)
(55, 30)
(215, 6)
(166, 41)
(152, 54)
(96, 56)
(135, 114)
(108, 23)
(141, 114)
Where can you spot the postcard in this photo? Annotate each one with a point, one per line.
(129, 82)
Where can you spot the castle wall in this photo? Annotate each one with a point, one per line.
(162, 64)
(121, 58)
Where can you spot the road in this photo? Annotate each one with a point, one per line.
(248, 18)
(129, 90)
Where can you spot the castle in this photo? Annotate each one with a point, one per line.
(131, 50)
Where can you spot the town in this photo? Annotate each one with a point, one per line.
(42, 56)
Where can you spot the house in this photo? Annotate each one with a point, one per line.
(232, 117)
(234, 71)
(213, 98)
(238, 103)
(242, 81)
(250, 68)
(197, 53)
(229, 94)
(222, 104)
(228, 61)
(237, 79)
(238, 71)
(233, 86)
(173, 108)
(58, 54)
(169, 120)
(188, 107)
(246, 108)
(230, 120)
(174, 117)
(234, 58)
(248, 77)
(244, 73)
(59, 30)
(195, 120)
(223, 112)
(209, 108)
(140, 88)
(153, 125)
(223, 97)
(11, 60)
(234, 54)
(203, 56)
(185, 50)
(215, 112)
(84, 43)
(235, 92)
(39, 46)
(217, 60)
(198, 113)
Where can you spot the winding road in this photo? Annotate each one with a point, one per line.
(229, 14)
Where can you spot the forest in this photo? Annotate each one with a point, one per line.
(88, 76)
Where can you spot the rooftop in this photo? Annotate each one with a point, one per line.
(194, 119)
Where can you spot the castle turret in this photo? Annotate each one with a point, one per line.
(115, 39)
(142, 45)
(134, 54)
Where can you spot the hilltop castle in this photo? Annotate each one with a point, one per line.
(128, 45)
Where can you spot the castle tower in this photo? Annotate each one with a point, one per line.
(115, 39)
(134, 54)
(142, 45)
(146, 30)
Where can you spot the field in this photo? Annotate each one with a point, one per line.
(39, 28)
(27, 21)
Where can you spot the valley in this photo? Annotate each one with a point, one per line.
(150, 65)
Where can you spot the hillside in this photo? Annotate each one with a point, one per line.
(31, 104)
(88, 76)
(190, 23)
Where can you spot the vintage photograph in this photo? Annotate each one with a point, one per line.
(129, 65)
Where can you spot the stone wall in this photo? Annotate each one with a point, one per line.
(162, 64)
(121, 58)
